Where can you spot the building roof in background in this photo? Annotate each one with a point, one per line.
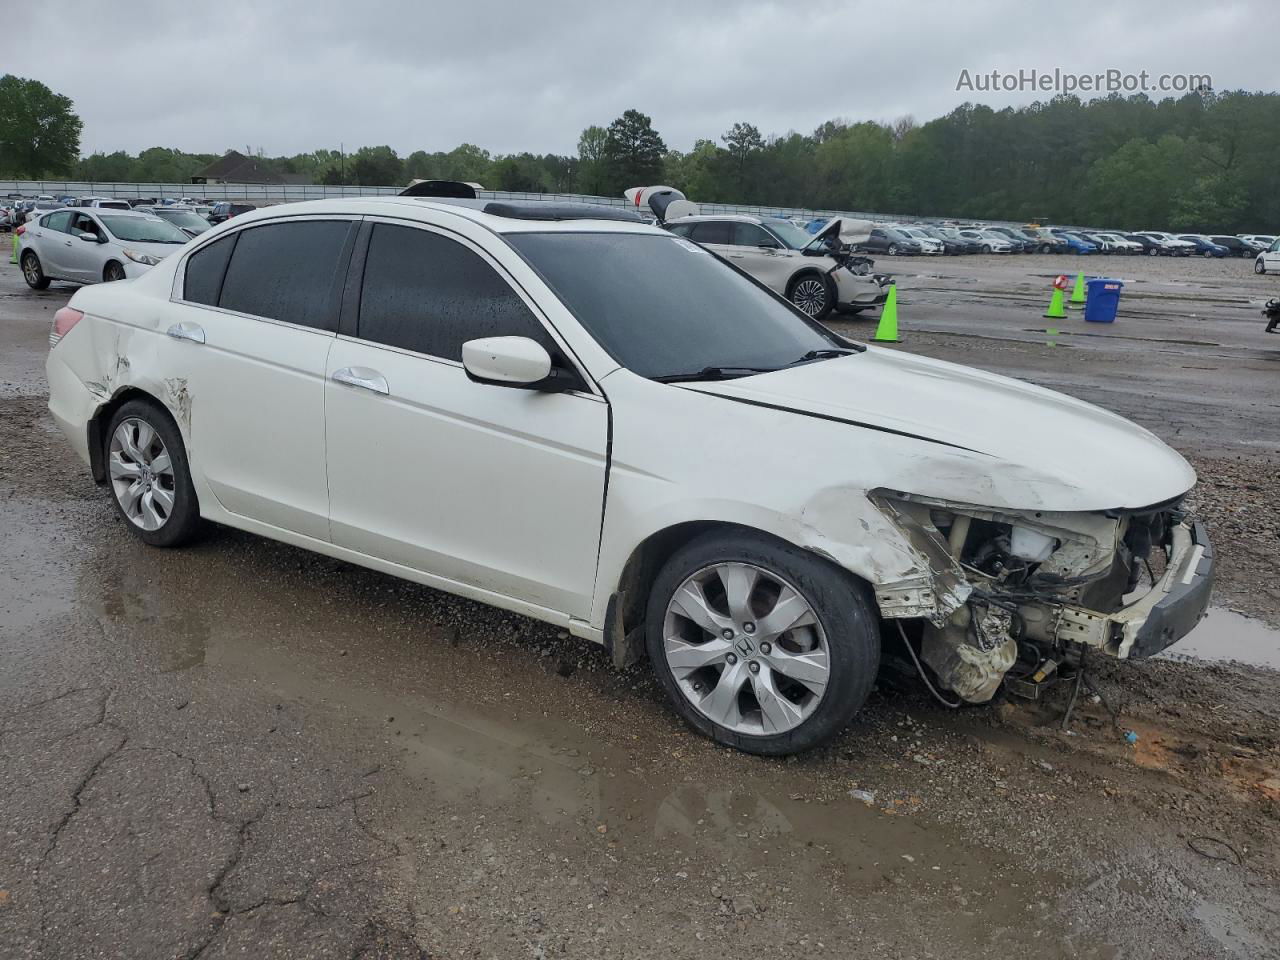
(235, 167)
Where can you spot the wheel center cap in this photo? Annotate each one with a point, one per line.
(746, 647)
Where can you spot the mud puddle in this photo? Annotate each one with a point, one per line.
(1225, 635)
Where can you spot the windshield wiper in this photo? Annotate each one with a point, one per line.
(712, 373)
(827, 353)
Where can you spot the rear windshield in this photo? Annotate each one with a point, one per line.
(143, 230)
(664, 306)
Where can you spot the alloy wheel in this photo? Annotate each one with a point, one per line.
(810, 295)
(141, 473)
(31, 269)
(746, 649)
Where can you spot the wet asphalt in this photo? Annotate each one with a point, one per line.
(241, 749)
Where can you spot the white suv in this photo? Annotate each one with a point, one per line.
(816, 272)
(567, 413)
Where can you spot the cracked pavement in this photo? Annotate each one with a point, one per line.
(243, 750)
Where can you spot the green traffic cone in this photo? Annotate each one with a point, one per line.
(13, 257)
(1056, 311)
(1077, 292)
(887, 329)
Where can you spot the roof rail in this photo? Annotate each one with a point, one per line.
(559, 211)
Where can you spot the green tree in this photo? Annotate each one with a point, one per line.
(593, 161)
(376, 167)
(634, 152)
(39, 131)
(742, 141)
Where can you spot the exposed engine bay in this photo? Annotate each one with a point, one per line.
(1040, 586)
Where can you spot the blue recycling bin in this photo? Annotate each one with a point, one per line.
(1102, 299)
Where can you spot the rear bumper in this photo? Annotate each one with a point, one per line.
(71, 404)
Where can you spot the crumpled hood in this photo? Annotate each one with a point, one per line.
(984, 439)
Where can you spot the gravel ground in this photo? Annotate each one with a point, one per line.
(242, 749)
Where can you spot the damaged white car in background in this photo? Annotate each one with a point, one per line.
(568, 413)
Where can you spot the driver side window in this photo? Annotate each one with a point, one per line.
(85, 224)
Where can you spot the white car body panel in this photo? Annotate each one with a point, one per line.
(537, 501)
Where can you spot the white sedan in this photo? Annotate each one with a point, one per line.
(1269, 259)
(567, 413)
(94, 245)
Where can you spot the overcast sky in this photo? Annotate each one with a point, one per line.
(509, 76)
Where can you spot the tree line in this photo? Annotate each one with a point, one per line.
(1201, 162)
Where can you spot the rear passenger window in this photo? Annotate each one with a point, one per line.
(205, 270)
(712, 232)
(289, 272)
(750, 235)
(429, 294)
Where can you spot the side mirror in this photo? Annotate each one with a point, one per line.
(88, 237)
(512, 362)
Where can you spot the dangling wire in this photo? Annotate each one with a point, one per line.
(920, 669)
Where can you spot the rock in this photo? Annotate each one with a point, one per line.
(743, 906)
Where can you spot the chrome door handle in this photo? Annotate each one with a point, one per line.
(362, 377)
(187, 331)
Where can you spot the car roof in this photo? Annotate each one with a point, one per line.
(725, 217)
(430, 209)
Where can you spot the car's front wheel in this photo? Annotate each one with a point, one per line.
(1259, 266)
(112, 272)
(759, 644)
(812, 294)
(32, 272)
(149, 477)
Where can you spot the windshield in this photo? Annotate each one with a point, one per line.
(793, 236)
(143, 230)
(663, 306)
(185, 219)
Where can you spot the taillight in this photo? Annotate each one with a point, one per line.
(63, 321)
(21, 230)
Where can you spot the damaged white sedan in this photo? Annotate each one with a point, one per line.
(588, 420)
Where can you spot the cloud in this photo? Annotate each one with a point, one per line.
(293, 76)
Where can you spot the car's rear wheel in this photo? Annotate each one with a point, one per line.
(759, 644)
(112, 272)
(32, 272)
(812, 294)
(149, 476)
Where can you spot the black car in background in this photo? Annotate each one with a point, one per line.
(1150, 245)
(1237, 247)
(890, 241)
(224, 210)
(952, 243)
(1021, 242)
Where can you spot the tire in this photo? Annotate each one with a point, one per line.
(32, 272)
(112, 272)
(842, 624)
(165, 512)
(1153, 252)
(1045, 248)
(1259, 266)
(1208, 254)
(986, 248)
(812, 294)
(892, 250)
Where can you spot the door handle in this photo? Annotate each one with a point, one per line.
(68, 243)
(362, 377)
(187, 331)
(737, 256)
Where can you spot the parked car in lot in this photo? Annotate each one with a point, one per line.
(929, 245)
(35, 208)
(1269, 260)
(91, 246)
(1020, 242)
(892, 241)
(184, 218)
(988, 240)
(1177, 247)
(1150, 246)
(1262, 239)
(1076, 243)
(810, 270)
(1114, 243)
(591, 383)
(225, 210)
(1204, 246)
(952, 243)
(1237, 247)
(1046, 240)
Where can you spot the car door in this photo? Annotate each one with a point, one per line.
(761, 254)
(716, 236)
(86, 259)
(53, 241)
(249, 333)
(497, 488)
